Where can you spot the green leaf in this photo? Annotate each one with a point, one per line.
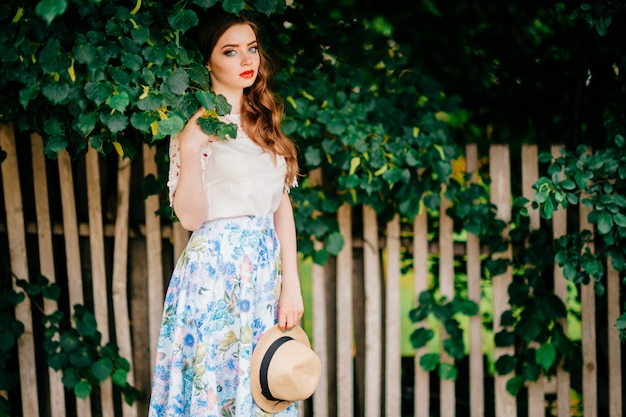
(115, 122)
(619, 219)
(119, 377)
(605, 222)
(82, 389)
(102, 369)
(222, 107)
(266, 6)
(69, 379)
(448, 371)
(429, 362)
(183, 19)
(334, 243)
(86, 123)
(505, 364)
(86, 323)
(504, 338)
(142, 121)
(98, 92)
(69, 341)
(170, 126)
(48, 10)
(421, 336)
(545, 356)
(454, 347)
(320, 257)
(206, 99)
(233, 6)
(178, 81)
(81, 358)
(514, 385)
(119, 101)
(620, 323)
(52, 59)
(312, 156)
(55, 91)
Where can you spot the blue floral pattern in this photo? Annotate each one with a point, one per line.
(222, 296)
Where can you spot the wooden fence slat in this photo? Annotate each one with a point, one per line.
(120, 274)
(477, 382)
(393, 354)
(19, 268)
(588, 313)
(320, 319)
(373, 308)
(614, 344)
(46, 259)
(559, 228)
(98, 269)
(447, 399)
(421, 397)
(72, 250)
(345, 365)
(499, 171)
(154, 251)
(530, 175)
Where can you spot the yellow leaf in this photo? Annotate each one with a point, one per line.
(162, 112)
(146, 91)
(137, 6)
(71, 71)
(56, 76)
(292, 102)
(416, 132)
(307, 95)
(442, 116)
(354, 164)
(118, 148)
(154, 126)
(18, 15)
(381, 170)
(422, 100)
(440, 150)
(353, 194)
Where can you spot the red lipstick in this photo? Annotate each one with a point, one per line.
(247, 74)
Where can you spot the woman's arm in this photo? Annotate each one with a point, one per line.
(290, 305)
(189, 201)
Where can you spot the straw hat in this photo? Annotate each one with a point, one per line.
(284, 369)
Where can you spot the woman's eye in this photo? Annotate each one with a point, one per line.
(253, 49)
(230, 52)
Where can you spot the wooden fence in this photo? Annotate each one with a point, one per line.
(71, 222)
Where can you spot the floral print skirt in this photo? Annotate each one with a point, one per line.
(222, 296)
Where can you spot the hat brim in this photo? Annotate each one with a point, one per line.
(266, 340)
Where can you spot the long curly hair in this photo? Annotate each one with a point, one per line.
(261, 109)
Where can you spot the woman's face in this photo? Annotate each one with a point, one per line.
(234, 62)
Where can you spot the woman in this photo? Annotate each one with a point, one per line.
(238, 274)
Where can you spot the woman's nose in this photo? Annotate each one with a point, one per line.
(246, 59)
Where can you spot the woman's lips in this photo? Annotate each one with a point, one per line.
(247, 74)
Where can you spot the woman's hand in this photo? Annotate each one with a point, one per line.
(192, 136)
(290, 304)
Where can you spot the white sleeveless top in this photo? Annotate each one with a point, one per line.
(240, 178)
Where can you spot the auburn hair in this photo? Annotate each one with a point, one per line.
(261, 110)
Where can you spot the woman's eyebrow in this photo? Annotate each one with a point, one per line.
(234, 45)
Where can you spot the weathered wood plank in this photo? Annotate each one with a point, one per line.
(98, 268)
(420, 275)
(477, 383)
(19, 268)
(499, 171)
(559, 228)
(154, 253)
(588, 313)
(320, 319)
(345, 367)
(615, 358)
(447, 402)
(120, 275)
(46, 259)
(373, 308)
(530, 175)
(393, 355)
(72, 249)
